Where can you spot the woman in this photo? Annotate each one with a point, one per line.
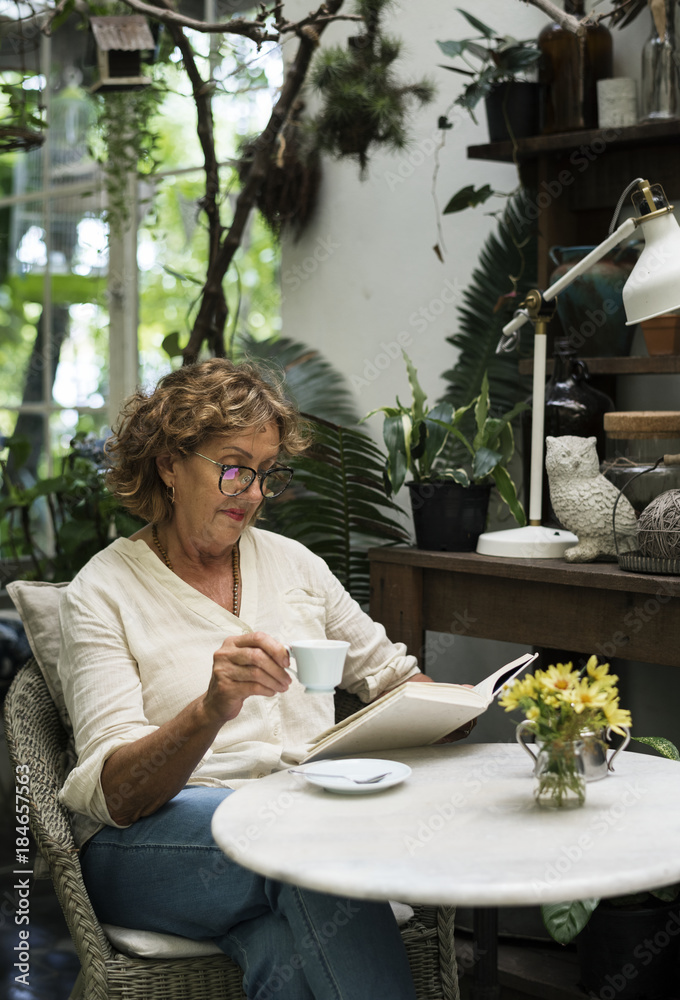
(176, 679)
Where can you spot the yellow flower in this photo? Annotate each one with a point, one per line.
(560, 678)
(601, 672)
(617, 717)
(586, 695)
(512, 695)
(533, 713)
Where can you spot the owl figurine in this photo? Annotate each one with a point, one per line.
(583, 500)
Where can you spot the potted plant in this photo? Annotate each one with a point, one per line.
(497, 67)
(449, 503)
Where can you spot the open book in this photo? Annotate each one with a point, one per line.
(414, 715)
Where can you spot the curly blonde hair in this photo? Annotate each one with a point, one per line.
(187, 407)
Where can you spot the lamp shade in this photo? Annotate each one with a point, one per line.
(653, 287)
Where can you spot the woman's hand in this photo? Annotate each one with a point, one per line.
(459, 734)
(245, 665)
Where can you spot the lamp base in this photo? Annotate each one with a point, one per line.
(531, 542)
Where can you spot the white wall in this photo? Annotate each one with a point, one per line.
(364, 273)
(381, 278)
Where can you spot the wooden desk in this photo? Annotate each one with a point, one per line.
(587, 608)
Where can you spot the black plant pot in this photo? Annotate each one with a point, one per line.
(448, 517)
(631, 953)
(514, 104)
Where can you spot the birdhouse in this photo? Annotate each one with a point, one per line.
(120, 42)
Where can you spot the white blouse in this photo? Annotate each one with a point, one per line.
(137, 644)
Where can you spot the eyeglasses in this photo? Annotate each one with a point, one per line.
(235, 479)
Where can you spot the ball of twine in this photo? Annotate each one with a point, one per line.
(658, 528)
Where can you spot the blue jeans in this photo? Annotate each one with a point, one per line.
(165, 873)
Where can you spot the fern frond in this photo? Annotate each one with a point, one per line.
(337, 506)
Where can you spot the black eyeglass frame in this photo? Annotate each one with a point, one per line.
(256, 475)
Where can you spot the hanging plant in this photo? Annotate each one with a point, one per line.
(288, 193)
(128, 144)
(364, 103)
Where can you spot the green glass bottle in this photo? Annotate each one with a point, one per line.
(569, 70)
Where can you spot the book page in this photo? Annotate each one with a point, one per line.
(407, 721)
(492, 685)
(413, 715)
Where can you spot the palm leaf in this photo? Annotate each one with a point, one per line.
(312, 382)
(626, 11)
(510, 251)
(338, 507)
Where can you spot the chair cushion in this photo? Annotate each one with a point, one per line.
(38, 604)
(149, 944)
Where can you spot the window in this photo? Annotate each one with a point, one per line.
(84, 313)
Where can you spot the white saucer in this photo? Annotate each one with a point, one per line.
(317, 774)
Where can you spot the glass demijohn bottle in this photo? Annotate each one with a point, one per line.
(569, 69)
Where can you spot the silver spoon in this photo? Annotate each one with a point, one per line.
(345, 777)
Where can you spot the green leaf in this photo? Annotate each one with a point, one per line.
(459, 476)
(19, 448)
(419, 397)
(516, 59)
(484, 462)
(481, 411)
(311, 381)
(419, 440)
(452, 49)
(337, 511)
(468, 197)
(437, 433)
(505, 271)
(481, 53)
(667, 894)
(506, 488)
(483, 29)
(170, 344)
(74, 533)
(564, 921)
(397, 457)
(661, 745)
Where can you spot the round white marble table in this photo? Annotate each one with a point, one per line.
(462, 829)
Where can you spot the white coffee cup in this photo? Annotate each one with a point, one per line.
(320, 663)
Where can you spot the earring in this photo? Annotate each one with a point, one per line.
(171, 493)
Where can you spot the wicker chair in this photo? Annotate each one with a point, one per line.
(36, 737)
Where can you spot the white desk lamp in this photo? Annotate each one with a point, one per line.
(653, 288)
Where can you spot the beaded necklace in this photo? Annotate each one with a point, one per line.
(235, 566)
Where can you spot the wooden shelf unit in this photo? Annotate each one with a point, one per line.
(666, 364)
(579, 176)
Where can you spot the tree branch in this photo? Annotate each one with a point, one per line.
(567, 21)
(202, 91)
(295, 77)
(255, 30)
